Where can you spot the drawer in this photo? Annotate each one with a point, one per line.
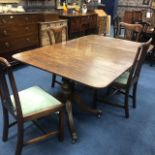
(19, 43)
(14, 31)
(17, 19)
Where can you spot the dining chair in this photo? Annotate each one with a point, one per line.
(127, 81)
(131, 31)
(57, 35)
(30, 104)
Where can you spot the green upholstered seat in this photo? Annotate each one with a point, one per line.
(123, 79)
(34, 100)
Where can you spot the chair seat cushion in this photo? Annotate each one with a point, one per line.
(123, 79)
(35, 100)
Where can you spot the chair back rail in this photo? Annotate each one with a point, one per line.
(57, 33)
(137, 64)
(8, 87)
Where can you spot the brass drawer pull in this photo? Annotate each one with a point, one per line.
(11, 17)
(5, 33)
(7, 44)
(28, 39)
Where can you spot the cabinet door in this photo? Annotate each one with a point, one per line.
(92, 21)
(74, 25)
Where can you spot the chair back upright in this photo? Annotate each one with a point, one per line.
(8, 87)
(137, 64)
(60, 34)
(116, 22)
(131, 31)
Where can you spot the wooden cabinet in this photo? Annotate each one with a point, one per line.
(80, 24)
(19, 32)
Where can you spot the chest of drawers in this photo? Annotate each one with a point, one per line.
(19, 32)
(80, 24)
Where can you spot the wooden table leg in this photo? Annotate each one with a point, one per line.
(67, 95)
(84, 107)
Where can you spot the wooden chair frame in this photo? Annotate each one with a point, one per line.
(131, 31)
(132, 81)
(8, 85)
(57, 32)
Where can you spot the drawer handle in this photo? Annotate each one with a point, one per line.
(7, 44)
(5, 33)
(11, 17)
(4, 21)
(27, 28)
(28, 39)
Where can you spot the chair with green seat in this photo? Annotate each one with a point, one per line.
(129, 79)
(57, 35)
(27, 105)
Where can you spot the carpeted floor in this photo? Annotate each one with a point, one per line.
(112, 134)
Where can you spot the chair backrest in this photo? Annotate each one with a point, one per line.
(8, 87)
(153, 37)
(137, 64)
(131, 31)
(60, 34)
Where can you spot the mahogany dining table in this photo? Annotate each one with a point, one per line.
(93, 60)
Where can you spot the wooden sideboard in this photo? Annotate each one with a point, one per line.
(20, 32)
(81, 24)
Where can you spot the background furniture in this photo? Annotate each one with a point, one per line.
(20, 32)
(27, 105)
(103, 22)
(116, 26)
(55, 35)
(43, 26)
(131, 31)
(132, 16)
(80, 24)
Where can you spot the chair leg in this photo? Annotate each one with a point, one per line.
(126, 105)
(61, 125)
(5, 124)
(53, 80)
(20, 137)
(134, 95)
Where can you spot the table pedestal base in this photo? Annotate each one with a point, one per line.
(68, 94)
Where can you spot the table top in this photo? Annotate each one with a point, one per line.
(92, 60)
